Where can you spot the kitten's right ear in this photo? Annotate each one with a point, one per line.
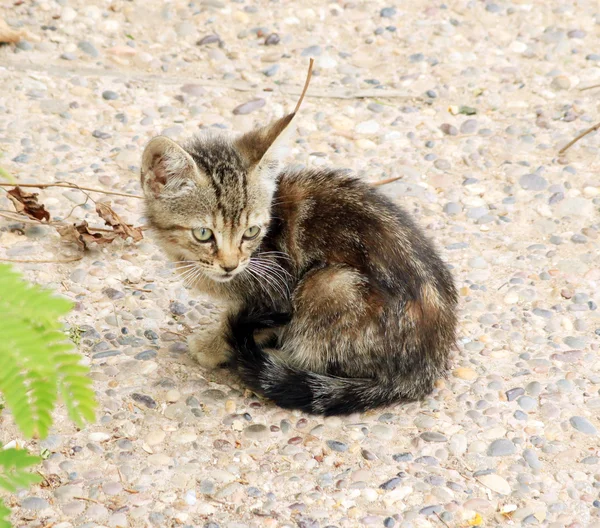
(167, 169)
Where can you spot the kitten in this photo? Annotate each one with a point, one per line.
(337, 302)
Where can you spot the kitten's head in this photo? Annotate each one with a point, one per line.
(209, 201)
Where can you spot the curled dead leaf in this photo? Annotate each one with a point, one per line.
(27, 203)
(82, 235)
(112, 219)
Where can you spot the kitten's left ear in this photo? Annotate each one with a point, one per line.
(263, 148)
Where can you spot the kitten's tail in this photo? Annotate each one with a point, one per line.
(291, 388)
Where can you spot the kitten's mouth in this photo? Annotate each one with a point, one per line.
(222, 278)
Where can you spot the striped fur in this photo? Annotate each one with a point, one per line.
(354, 307)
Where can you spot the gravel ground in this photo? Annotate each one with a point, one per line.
(469, 102)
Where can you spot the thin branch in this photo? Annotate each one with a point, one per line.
(306, 83)
(589, 87)
(442, 520)
(385, 182)
(332, 92)
(69, 185)
(583, 134)
(55, 261)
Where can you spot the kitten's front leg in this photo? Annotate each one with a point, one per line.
(208, 345)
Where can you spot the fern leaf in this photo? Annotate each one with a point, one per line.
(13, 463)
(36, 361)
(4, 516)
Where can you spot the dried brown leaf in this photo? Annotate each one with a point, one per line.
(83, 236)
(27, 203)
(113, 220)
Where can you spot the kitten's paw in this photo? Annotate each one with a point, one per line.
(210, 351)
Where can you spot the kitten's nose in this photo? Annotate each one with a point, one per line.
(228, 268)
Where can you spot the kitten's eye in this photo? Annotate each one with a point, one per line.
(251, 232)
(202, 234)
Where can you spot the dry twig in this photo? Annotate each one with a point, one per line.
(69, 185)
(54, 261)
(583, 134)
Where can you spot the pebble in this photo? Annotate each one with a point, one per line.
(109, 95)
(495, 483)
(582, 425)
(335, 445)
(144, 400)
(449, 130)
(533, 182)
(208, 39)
(88, 48)
(430, 436)
(501, 447)
(464, 373)
(249, 107)
(34, 503)
(312, 51)
(388, 12)
(257, 431)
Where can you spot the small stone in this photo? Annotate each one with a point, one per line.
(34, 503)
(495, 483)
(595, 57)
(146, 355)
(501, 447)
(448, 129)
(208, 39)
(334, 445)
(464, 373)
(99, 437)
(257, 431)
(98, 134)
(582, 425)
(88, 48)
(173, 395)
(113, 294)
(576, 34)
(155, 437)
(151, 335)
(271, 70)
(69, 56)
(452, 208)
(144, 400)
(367, 127)
(532, 459)
(387, 12)
(527, 403)
(178, 308)
(513, 394)
(250, 106)
(431, 510)
(272, 40)
(533, 182)
(312, 51)
(431, 436)
(112, 488)
(109, 95)
(469, 126)
(23, 45)
(391, 484)
(560, 82)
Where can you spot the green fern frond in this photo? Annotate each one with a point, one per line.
(14, 463)
(37, 361)
(4, 516)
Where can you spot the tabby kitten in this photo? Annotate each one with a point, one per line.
(336, 301)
